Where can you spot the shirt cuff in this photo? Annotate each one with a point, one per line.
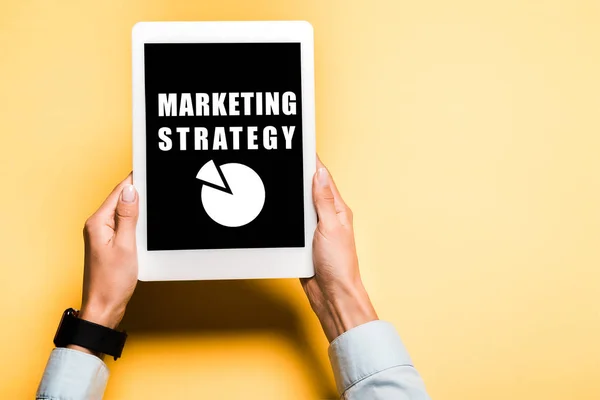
(72, 374)
(364, 351)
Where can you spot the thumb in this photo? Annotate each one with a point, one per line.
(323, 197)
(126, 215)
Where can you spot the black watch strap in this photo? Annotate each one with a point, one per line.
(97, 338)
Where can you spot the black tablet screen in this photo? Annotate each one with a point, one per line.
(224, 145)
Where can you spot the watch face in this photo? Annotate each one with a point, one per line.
(65, 328)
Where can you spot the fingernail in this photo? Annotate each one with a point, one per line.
(128, 194)
(322, 177)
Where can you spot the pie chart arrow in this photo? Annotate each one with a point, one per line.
(232, 194)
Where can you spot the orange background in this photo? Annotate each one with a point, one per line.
(464, 134)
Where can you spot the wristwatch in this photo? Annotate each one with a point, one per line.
(97, 338)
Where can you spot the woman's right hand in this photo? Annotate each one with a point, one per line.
(336, 292)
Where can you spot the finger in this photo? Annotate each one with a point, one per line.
(109, 205)
(313, 293)
(323, 198)
(341, 208)
(126, 215)
(336, 194)
(318, 303)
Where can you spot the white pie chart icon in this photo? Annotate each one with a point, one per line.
(233, 197)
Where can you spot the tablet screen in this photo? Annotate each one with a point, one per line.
(224, 161)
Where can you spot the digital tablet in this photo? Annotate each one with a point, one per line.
(224, 149)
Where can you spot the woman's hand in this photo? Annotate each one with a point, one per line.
(111, 267)
(336, 293)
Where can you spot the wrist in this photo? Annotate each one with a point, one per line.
(91, 331)
(109, 317)
(105, 316)
(351, 307)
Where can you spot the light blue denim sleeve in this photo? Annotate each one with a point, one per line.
(370, 362)
(73, 375)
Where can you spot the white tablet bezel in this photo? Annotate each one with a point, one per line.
(224, 263)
